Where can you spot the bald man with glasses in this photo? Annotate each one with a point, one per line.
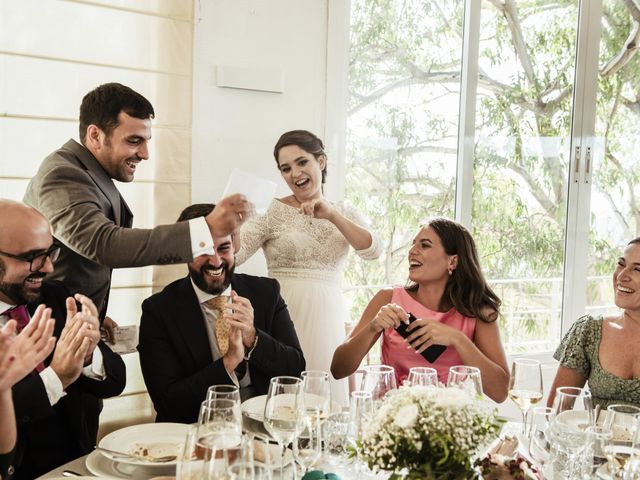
(58, 404)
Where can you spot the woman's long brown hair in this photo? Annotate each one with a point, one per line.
(467, 289)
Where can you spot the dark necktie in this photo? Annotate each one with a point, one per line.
(20, 314)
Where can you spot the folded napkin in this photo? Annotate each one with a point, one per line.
(320, 475)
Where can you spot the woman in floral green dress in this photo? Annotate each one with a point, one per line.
(605, 350)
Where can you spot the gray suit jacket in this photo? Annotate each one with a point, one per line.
(92, 221)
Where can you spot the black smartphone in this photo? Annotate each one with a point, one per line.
(432, 353)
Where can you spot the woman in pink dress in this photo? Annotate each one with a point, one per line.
(454, 307)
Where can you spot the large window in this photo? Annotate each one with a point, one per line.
(551, 163)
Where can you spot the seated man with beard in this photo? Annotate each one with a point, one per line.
(214, 327)
(56, 405)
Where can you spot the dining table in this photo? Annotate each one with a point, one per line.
(100, 467)
(78, 467)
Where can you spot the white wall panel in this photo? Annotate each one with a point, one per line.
(76, 31)
(51, 88)
(238, 128)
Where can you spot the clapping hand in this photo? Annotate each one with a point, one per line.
(235, 353)
(242, 318)
(89, 315)
(72, 347)
(21, 353)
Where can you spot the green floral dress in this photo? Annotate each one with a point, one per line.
(579, 351)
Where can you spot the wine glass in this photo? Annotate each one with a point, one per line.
(222, 450)
(539, 447)
(594, 453)
(622, 420)
(282, 412)
(422, 376)
(334, 433)
(525, 386)
(249, 471)
(307, 447)
(220, 414)
(465, 378)
(259, 451)
(317, 391)
(360, 413)
(567, 434)
(378, 380)
(191, 461)
(230, 392)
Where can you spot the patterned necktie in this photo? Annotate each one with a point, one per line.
(218, 304)
(20, 314)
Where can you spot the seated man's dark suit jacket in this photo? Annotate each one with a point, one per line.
(176, 358)
(49, 436)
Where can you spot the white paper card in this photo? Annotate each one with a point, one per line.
(258, 190)
(126, 339)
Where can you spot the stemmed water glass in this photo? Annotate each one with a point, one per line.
(219, 440)
(567, 434)
(317, 391)
(525, 386)
(539, 447)
(622, 420)
(378, 380)
(465, 378)
(594, 453)
(283, 416)
(360, 413)
(230, 392)
(422, 376)
(307, 447)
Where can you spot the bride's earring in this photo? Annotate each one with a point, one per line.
(450, 270)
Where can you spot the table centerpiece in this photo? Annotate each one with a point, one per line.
(427, 433)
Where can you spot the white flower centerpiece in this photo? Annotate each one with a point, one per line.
(427, 433)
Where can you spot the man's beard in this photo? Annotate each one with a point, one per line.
(18, 292)
(198, 277)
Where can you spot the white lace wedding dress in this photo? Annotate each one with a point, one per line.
(307, 256)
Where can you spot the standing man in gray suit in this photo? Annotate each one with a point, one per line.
(74, 189)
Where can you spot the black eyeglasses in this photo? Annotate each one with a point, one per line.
(37, 260)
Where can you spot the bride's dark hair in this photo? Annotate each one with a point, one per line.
(307, 141)
(466, 290)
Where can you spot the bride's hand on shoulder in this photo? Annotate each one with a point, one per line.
(318, 208)
(389, 316)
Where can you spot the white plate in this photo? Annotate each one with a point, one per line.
(104, 467)
(254, 407)
(148, 434)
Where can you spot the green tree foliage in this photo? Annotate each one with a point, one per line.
(402, 141)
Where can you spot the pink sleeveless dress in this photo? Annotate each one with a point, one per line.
(394, 349)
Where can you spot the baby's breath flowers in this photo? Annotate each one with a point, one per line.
(427, 433)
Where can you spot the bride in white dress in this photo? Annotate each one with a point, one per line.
(306, 239)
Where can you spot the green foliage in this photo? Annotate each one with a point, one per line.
(402, 140)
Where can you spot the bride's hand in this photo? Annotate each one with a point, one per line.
(317, 208)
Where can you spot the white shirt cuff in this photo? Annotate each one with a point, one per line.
(52, 385)
(95, 371)
(201, 240)
(234, 378)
